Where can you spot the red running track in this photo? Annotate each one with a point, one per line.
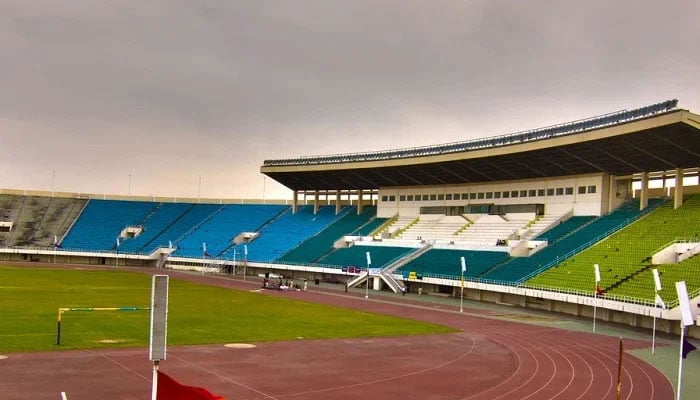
(490, 359)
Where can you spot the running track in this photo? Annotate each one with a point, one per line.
(490, 359)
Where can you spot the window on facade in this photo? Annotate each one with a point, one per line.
(402, 197)
(489, 195)
(532, 192)
(472, 196)
(426, 197)
(433, 197)
(540, 192)
(455, 196)
(523, 193)
(581, 190)
(591, 189)
(480, 195)
(448, 196)
(569, 190)
(441, 197)
(496, 195)
(465, 196)
(506, 195)
(392, 198)
(513, 193)
(560, 191)
(409, 197)
(550, 192)
(385, 198)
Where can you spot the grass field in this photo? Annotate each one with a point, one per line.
(198, 314)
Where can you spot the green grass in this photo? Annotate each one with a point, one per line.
(198, 314)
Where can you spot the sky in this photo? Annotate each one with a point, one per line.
(188, 98)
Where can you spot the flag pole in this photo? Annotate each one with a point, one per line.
(369, 262)
(680, 363)
(154, 388)
(461, 294)
(657, 287)
(619, 372)
(596, 270)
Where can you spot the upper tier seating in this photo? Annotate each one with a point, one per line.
(492, 229)
(221, 228)
(436, 227)
(322, 243)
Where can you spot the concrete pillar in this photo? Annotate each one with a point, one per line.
(316, 196)
(612, 193)
(644, 193)
(337, 202)
(678, 192)
(295, 199)
(359, 201)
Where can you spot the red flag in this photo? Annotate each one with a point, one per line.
(170, 389)
(599, 291)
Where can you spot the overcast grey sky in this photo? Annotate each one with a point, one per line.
(169, 91)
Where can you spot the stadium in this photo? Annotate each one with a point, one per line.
(516, 221)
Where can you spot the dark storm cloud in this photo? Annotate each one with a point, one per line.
(219, 86)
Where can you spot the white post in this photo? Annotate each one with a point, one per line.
(245, 261)
(204, 256)
(154, 388)
(657, 287)
(234, 260)
(680, 363)
(461, 294)
(369, 262)
(596, 270)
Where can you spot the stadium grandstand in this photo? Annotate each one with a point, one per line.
(530, 213)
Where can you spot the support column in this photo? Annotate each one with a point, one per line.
(359, 201)
(678, 192)
(295, 199)
(337, 202)
(612, 193)
(316, 195)
(644, 193)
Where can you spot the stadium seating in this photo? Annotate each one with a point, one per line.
(102, 221)
(219, 231)
(625, 256)
(355, 256)
(287, 231)
(195, 215)
(519, 269)
(447, 264)
(322, 243)
(153, 225)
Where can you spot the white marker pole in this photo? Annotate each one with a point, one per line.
(657, 288)
(159, 326)
(596, 270)
(369, 262)
(461, 294)
(686, 320)
(245, 261)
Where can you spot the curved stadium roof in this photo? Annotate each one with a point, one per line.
(652, 138)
